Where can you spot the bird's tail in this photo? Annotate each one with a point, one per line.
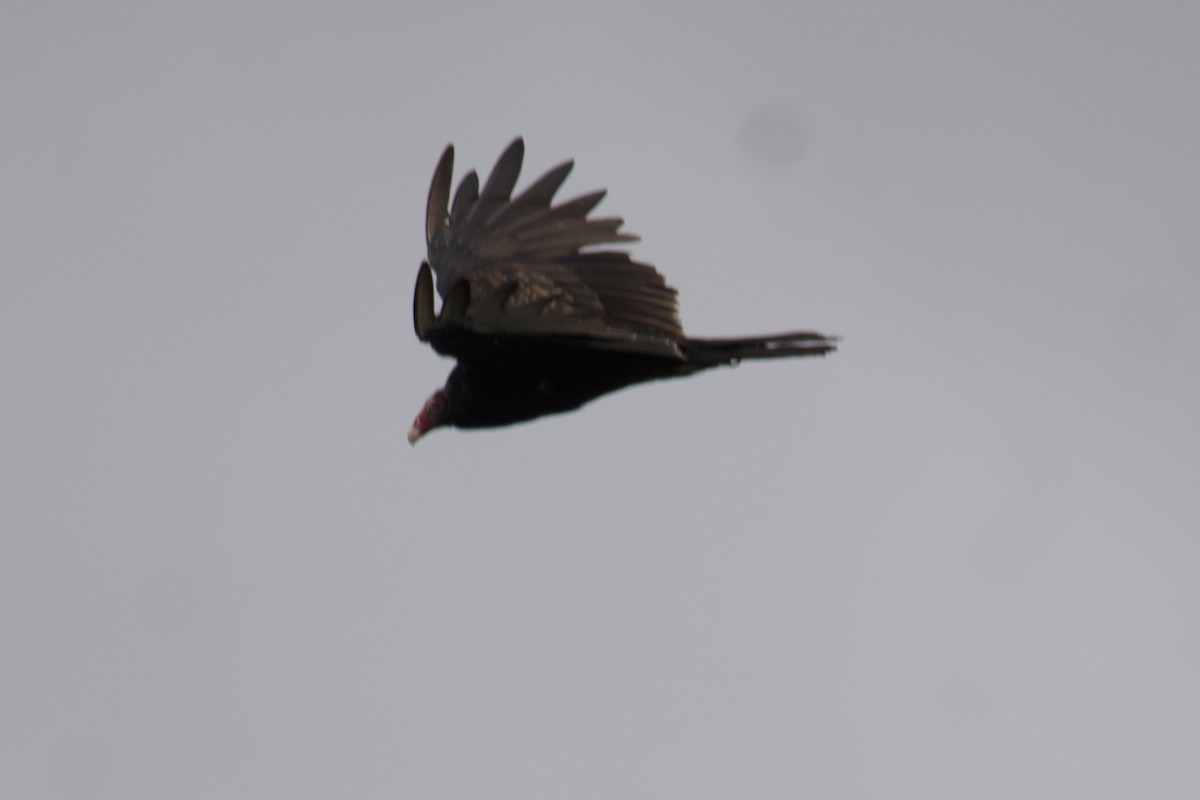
(714, 352)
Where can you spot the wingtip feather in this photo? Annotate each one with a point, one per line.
(437, 210)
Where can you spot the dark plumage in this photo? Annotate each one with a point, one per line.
(539, 320)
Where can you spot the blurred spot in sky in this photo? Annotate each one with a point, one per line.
(772, 136)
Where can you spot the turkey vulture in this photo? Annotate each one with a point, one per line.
(540, 320)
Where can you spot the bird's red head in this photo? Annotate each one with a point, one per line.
(434, 413)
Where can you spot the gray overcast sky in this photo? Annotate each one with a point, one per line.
(958, 559)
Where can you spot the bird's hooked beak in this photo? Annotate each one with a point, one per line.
(415, 431)
(432, 414)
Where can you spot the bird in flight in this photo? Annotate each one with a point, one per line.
(538, 309)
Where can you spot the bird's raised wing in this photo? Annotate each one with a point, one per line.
(517, 266)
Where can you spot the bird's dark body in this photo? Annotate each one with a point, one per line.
(539, 321)
(521, 381)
